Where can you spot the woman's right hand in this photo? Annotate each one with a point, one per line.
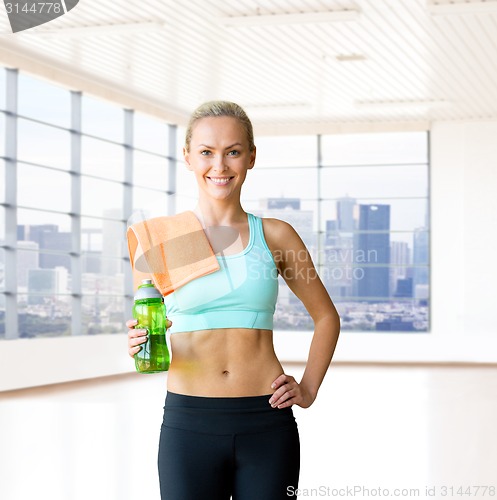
(137, 337)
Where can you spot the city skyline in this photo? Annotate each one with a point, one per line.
(105, 240)
(356, 265)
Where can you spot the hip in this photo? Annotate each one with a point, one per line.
(225, 415)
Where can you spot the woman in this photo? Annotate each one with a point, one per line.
(228, 425)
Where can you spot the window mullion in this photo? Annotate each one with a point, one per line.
(11, 312)
(76, 267)
(128, 202)
(173, 137)
(319, 260)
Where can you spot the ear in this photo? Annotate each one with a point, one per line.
(186, 156)
(252, 158)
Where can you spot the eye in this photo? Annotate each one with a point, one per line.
(234, 152)
(205, 152)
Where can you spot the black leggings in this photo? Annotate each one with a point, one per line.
(211, 448)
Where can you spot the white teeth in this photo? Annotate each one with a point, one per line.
(220, 180)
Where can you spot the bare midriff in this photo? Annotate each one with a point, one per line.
(227, 362)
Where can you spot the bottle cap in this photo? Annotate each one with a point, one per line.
(147, 291)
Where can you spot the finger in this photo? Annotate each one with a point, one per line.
(287, 403)
(137, 333)
(131, 323)
(132, 351)
(279, 381)
(284, 400)
(168, 323)
(137, 341)
(290, 385)
(278, 395)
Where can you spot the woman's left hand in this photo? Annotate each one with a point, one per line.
(289, 392)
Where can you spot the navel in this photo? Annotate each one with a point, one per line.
(226, 373)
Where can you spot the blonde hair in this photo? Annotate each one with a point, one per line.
(216, 109)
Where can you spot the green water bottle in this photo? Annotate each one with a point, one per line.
(150, 312)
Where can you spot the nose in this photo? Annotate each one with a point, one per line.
(218, 163)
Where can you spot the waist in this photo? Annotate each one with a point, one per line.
(225, 415)
(223, 362)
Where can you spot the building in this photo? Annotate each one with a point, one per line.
(91, 247)
(403, 288)
(345, 214)
(27, 259)
(59, 242)
(45, 284)
(338, 261)
(34, 232)
(372, 257)
(420, 257)
(48, 237)
(283, 203)
(399, 260)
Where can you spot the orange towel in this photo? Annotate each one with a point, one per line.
(170, 250)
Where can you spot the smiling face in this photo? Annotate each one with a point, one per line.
(219, 156)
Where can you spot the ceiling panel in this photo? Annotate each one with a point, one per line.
(398, 63)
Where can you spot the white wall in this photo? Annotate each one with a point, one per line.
(463, 280)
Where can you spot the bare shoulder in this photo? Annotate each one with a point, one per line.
(280, 236)
(277, 232)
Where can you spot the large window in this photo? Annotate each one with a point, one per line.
(360, 203)
(74, 169)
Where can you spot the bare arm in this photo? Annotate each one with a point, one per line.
(297, 269)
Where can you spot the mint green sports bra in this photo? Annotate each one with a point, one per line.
(241, 294)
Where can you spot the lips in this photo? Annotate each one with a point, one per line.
(220, 181)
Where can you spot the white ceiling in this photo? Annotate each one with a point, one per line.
(416, 68)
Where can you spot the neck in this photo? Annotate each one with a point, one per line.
(219, 212)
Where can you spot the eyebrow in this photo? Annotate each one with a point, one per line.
(229, 147)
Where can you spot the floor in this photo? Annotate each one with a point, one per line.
(427, 430)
